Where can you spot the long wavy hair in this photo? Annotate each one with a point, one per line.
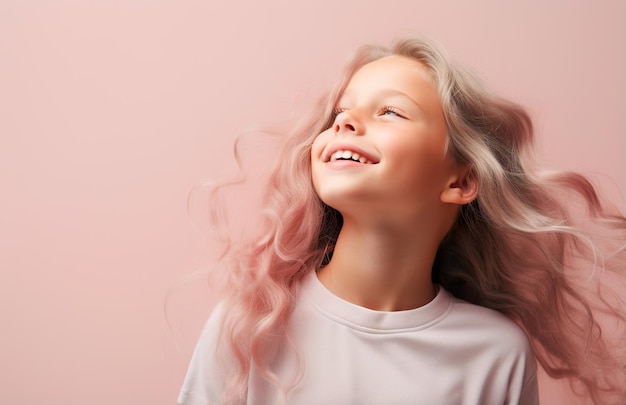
(535, 245)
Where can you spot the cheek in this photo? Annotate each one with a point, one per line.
(316, 149)
(424, 162)
(415, 151)
(319, 143)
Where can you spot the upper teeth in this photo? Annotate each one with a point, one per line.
(348, 154)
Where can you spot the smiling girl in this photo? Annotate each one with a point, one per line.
(409, 252)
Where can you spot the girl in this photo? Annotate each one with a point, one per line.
(409, 252)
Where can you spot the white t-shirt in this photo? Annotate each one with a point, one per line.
(445, 352)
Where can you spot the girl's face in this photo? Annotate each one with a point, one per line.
(385, 154)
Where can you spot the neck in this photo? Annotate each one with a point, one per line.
(381, 268)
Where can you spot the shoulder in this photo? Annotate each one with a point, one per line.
(205, 378)
(210, 335)
(489, 338)
(487, 325)
(497, 347)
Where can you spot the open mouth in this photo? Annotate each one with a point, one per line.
(346, 154)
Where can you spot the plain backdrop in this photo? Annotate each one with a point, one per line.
(111, 111)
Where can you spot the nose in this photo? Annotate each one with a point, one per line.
(347, 122)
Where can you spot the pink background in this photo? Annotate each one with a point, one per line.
(110, 112)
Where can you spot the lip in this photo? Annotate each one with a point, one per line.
(328, 152)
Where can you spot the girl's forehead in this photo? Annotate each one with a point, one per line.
(394, 73)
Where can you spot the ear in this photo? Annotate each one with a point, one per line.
(462, 188)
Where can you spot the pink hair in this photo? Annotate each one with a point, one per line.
(518, 248)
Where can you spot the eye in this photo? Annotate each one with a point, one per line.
(388, 110)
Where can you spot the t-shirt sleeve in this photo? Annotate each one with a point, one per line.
(523, 389)
(530, 391)
(204, 381)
